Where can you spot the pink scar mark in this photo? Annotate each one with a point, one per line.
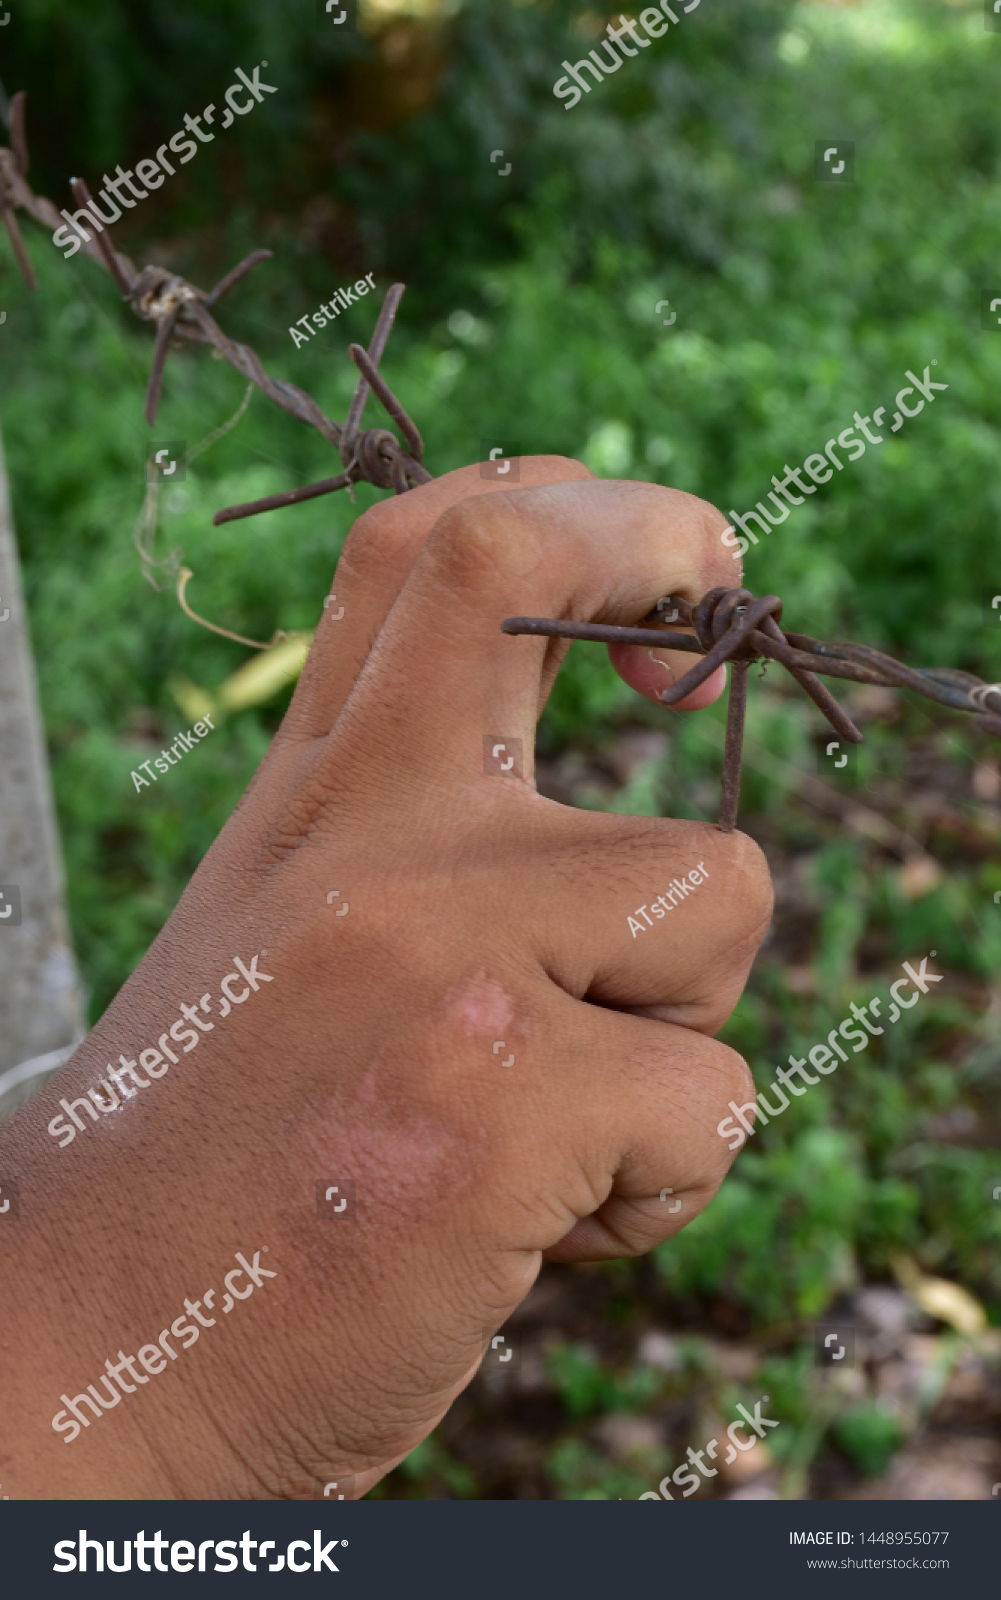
(480, 1006)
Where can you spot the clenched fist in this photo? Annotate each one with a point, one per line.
(279, 1251)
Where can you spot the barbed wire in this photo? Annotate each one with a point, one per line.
(181, 312)
(731, 625)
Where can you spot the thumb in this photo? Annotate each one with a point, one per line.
(651, 671)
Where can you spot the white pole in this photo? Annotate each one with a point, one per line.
(41, 1010)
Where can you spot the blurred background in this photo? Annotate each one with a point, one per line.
(531, 323)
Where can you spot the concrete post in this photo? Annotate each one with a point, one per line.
(41, 1006)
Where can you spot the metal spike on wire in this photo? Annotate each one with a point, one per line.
(729, 624)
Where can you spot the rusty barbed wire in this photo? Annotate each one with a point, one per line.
(181, 312)
(731, 625)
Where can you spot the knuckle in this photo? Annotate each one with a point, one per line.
(379, 538)
(724, 1076)
(733, 1076)
(636, 1238)
(476, 542)
(756, 882)
(744, 869)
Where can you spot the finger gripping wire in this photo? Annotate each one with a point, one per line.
(731, 625)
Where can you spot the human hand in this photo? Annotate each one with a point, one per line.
(479, 912)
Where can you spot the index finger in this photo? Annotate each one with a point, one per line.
(374, 565)
(591, 551)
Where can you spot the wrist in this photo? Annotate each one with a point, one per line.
(107, 1245)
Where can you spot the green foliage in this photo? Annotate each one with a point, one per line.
(431, 1473)
(776, 1237)
(586, 1385)
(870, 1436)
(580, 1472)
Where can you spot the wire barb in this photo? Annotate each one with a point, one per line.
(383, 328)
(18, 246)
(117, 265)
(233, 276)
(377, 383)
(164, 329)
(18, 136)
(736, 708)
